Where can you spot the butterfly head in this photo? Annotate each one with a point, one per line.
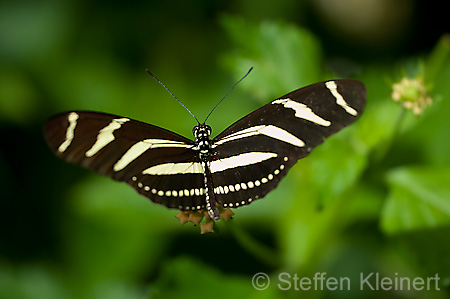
(201, 131)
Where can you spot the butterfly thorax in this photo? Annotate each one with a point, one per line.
(202, 141)
(203, 146)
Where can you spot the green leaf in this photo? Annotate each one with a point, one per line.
(428, 249)
(31, 282)
(184, 277)
(335, 166)
(41, 281)
(285, 57)
(112, 230)
(419, 198)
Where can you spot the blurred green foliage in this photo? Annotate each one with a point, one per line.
(373, 198)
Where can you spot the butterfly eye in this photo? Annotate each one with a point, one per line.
(195, 131)
(208, 130)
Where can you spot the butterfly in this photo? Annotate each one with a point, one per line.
(233, 169)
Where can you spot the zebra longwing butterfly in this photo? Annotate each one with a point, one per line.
(233, 169)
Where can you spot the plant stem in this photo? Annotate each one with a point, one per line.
(258, 250)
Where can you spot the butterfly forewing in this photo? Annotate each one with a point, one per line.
(131, 151)
(278, 134)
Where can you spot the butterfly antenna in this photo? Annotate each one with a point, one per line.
(229, 92)
(168, 90)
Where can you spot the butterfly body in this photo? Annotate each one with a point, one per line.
(235, 168)
(202, 144)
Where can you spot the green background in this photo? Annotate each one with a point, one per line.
(373, 198)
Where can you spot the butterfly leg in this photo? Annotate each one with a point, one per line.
(211, 207)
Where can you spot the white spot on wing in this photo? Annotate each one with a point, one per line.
(106, 135)
(70, 132)
(141, 147)
(240, 160)
(174, 168)
(280, 134)
(267, 130)
(303, 111)
(331, 85)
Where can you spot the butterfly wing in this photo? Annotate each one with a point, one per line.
(256, 152)
(152, 160)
